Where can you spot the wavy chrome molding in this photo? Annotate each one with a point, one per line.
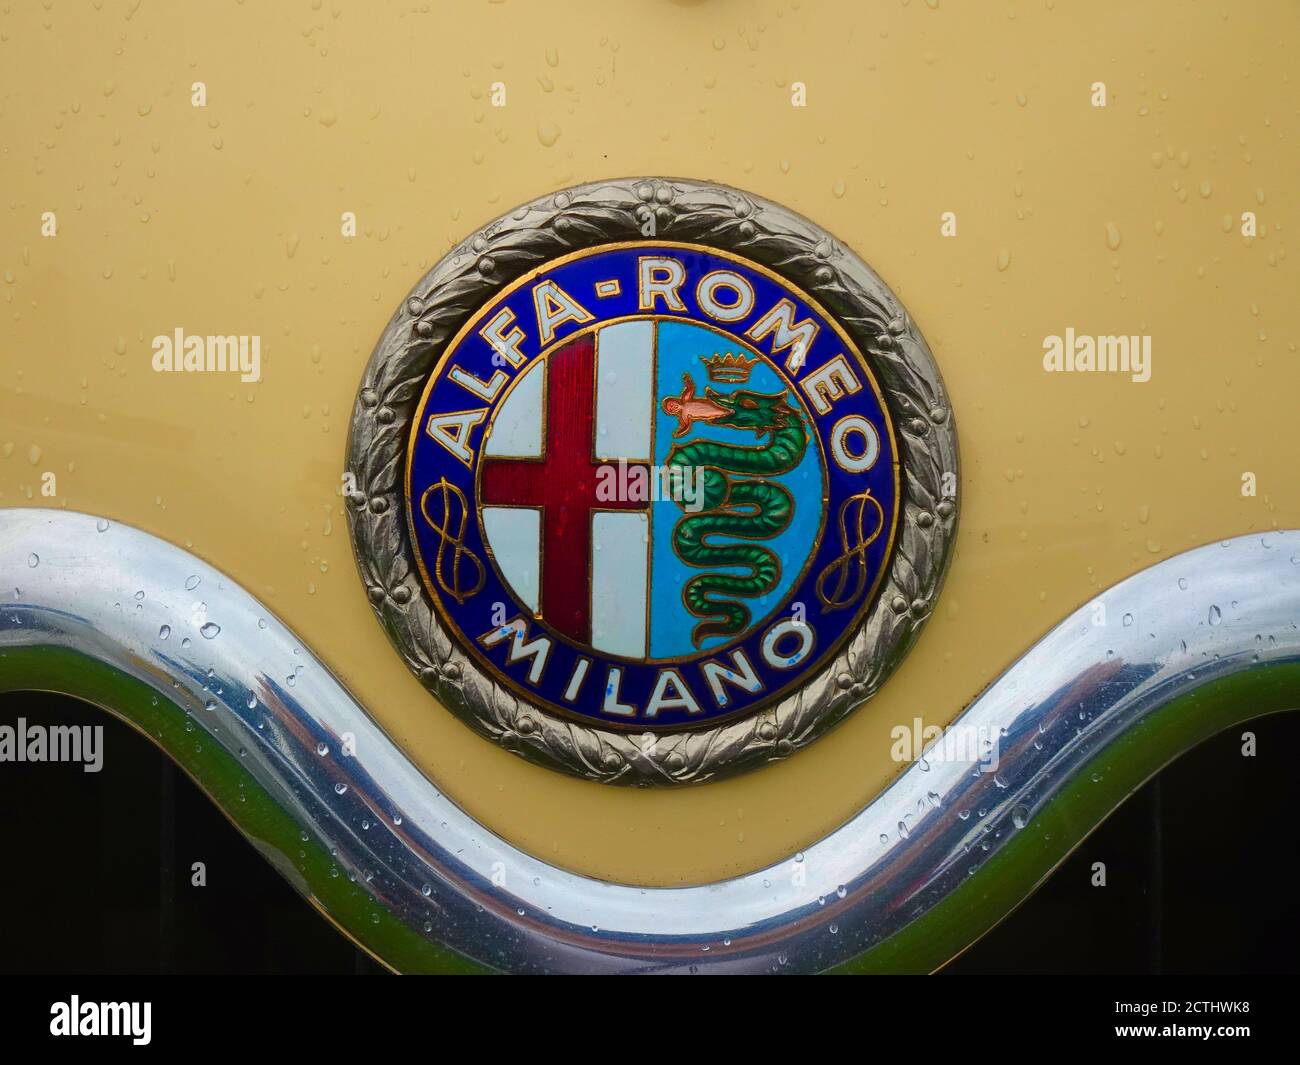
(106, 612)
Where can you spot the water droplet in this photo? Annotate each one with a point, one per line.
(101, 525)
(339, 789)
(1216, 615)
(322, 749)
(1019, 816)
(33, 560)
(210, 631)
(191, 583)
(164, 632)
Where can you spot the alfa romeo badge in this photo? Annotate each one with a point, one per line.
(652, 480)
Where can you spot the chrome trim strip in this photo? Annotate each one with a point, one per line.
(1074, 703)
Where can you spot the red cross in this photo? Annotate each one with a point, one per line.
(563, 484)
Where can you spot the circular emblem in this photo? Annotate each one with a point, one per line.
(652, 480)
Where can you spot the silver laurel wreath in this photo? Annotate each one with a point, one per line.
(671, 209)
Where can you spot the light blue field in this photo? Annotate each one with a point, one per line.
(680, 348)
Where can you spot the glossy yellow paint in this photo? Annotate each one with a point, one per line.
(226, 219)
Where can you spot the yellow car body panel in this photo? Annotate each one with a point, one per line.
(226, 218)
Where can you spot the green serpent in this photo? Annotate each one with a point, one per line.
(751, 508)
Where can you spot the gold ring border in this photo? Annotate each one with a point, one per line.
(532, 699)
